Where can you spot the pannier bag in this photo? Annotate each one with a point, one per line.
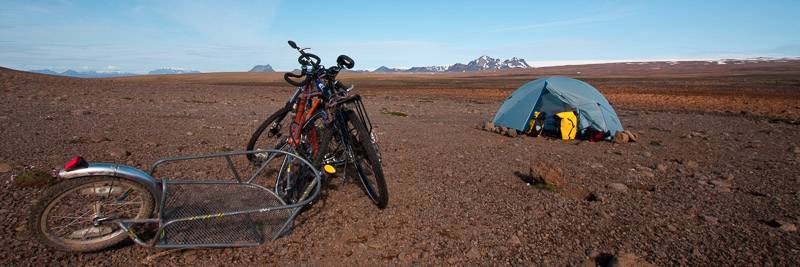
(536, 124)
(568, 125)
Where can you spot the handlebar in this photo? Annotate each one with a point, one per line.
(317, 71)
(301, 75)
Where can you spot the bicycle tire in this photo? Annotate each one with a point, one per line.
(369, 152)
(280, 114)
(56, 196)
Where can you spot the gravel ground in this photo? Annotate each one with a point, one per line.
(697, 188)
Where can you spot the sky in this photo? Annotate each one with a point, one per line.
(211, 36)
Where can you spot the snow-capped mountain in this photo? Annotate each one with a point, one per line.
(172, 71)
(483, 63)
(262, 68)
(428, 69)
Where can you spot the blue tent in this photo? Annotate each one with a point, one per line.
(552, 95)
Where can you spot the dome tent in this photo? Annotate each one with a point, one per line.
(552, 95)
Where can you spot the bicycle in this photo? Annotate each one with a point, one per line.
(330, 127)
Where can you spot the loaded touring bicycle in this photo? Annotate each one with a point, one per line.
(226, 199)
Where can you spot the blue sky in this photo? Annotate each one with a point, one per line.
(138, 36)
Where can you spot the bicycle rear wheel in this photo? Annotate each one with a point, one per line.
(367, 161)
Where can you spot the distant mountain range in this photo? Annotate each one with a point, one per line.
(483, 63)
(172, 71)
(85, 74)
(109, 74)
(262, 68)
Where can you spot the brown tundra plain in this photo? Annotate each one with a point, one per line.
(713, 178)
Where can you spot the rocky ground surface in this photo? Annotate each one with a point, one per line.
(698, 188)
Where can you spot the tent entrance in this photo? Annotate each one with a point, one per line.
(548, 105)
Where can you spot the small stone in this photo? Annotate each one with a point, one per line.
(720, 183)
(788, 227)
(80, 112)
(4, 167)
(511, 132)
(631, 136)
(488, 126)
(709, 219)
(151, 144)
(647, 154)
(691, 164)
(795, 149)
(662, 167)
(621, 138)
(118, 152)
(728, 177)
(648, 174)
(189, 133)
(596, 165)
(672, 228)
(514, 240)
(617, 187)
(629, 260)
(473, 253)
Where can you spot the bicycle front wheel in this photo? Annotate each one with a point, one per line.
(367, 161)
(271, 134)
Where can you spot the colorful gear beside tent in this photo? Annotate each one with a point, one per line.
(568, 125)
(553, 95)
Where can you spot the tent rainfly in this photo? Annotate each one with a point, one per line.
(552, 95)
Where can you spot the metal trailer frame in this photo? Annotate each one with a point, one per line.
(160, 188)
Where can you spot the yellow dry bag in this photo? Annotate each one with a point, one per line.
(569, 125)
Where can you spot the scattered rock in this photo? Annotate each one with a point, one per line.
(648, 174)
(709, 219)
(118, 152)
(631, 136)
(621, 138)
(511, 132)
(629, 260)
(672, 228)
(189, 133)
(662, 167)
(728, 177)
(795, 149)
(4, 167)
(788, 227)
(473, 253)
(720, 183)
(617, 187)
(488, 126)
(691, 164)
(782, 225)
(547, 173)
(514, 240)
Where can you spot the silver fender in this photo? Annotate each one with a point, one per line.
(117, 170)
